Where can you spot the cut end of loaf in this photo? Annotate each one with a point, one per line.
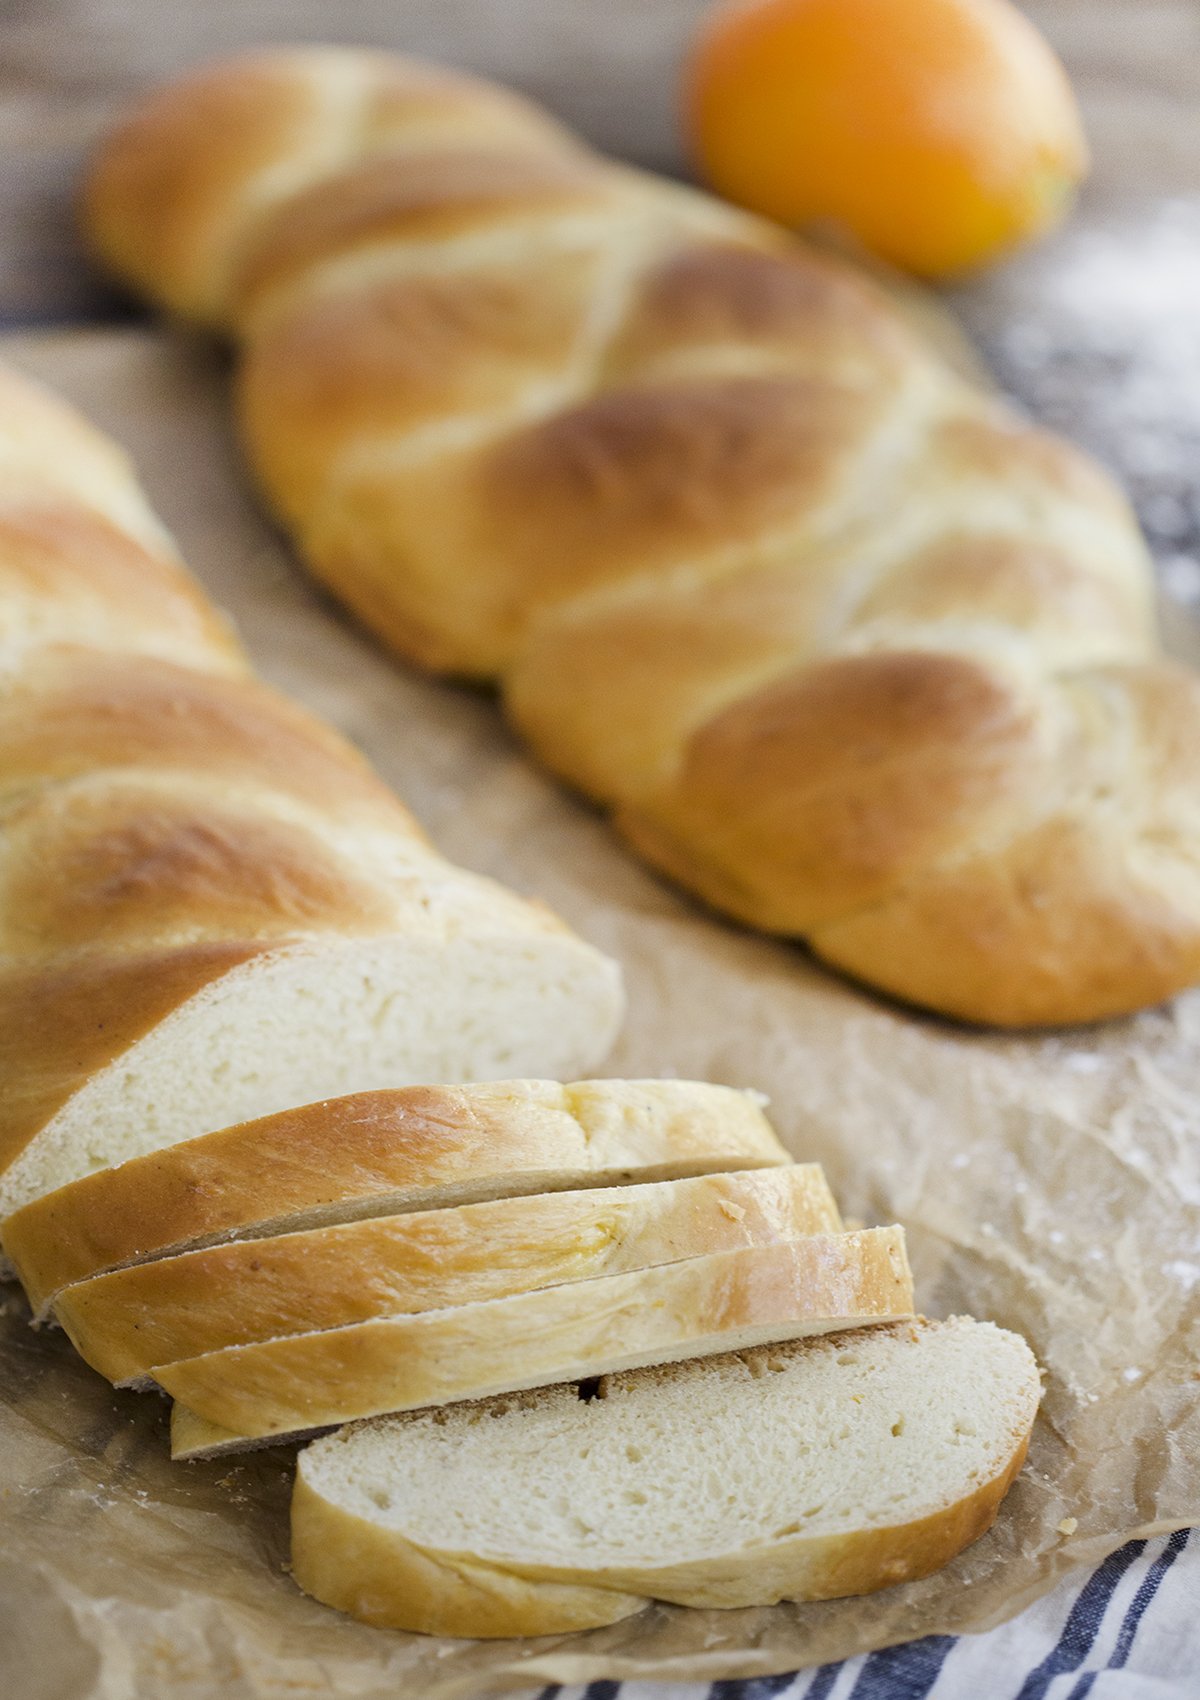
(804, 1471)
(324, 1018)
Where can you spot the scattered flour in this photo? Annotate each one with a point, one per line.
(1099, 336)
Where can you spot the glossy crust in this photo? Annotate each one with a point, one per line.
(280, 1388)
(847, 650)
(208, 152)
(169, 822)
(371, 1154)
(372, 1571)
(126, 1322)
(72, 711)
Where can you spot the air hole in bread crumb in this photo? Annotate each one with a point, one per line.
(634, 1496)
(898, 1427)
(634, 1453)
(381, 1499)
(788, 1529)
(964, 1427)
(589, 1389)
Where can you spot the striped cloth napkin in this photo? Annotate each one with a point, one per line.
(1129, 1631)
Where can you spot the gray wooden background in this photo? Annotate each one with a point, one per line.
(611, 66)
(1097, 331)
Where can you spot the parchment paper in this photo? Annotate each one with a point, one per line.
(1051, 1183)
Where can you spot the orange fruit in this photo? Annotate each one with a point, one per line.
(940, 132)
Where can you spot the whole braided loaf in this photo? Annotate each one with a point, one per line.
(211, 907)
(844, 646)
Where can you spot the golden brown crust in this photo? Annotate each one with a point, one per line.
(331, 370)
(374, 1152)
(74, 572)
(1064, 606)
(906, 759)
(432, 197)
(1099, 899)
(634, 481)
(189, 154)
(723, 634)
(1069, 930)
(621, 488)
(126, 1322)
(130, 868)
(726, 507)
(72, 711)
(812, 311)
(691, 1309)
(239, 126)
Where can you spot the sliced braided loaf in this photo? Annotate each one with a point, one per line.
(211, 907)
(847, 649)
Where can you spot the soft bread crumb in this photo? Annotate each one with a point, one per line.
(871, 1429)
(325, 1018)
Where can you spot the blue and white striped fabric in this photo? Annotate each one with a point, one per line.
(1130, 1631)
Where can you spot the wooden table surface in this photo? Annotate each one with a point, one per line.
(1098, 330)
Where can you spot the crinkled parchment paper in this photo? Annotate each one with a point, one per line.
(1051, 1183)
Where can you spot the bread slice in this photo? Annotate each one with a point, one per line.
(805, 1471)
(126, 1322)
(375, 1153)
(278, 1389)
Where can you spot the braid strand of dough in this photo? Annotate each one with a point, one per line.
(212, 908)
(844, 646)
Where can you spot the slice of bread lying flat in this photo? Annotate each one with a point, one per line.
(279, 1389)
(797, 1472)
(375, 1153)
(126, 1322)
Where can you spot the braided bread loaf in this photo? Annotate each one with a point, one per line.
(212, 908)
(845, 647)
